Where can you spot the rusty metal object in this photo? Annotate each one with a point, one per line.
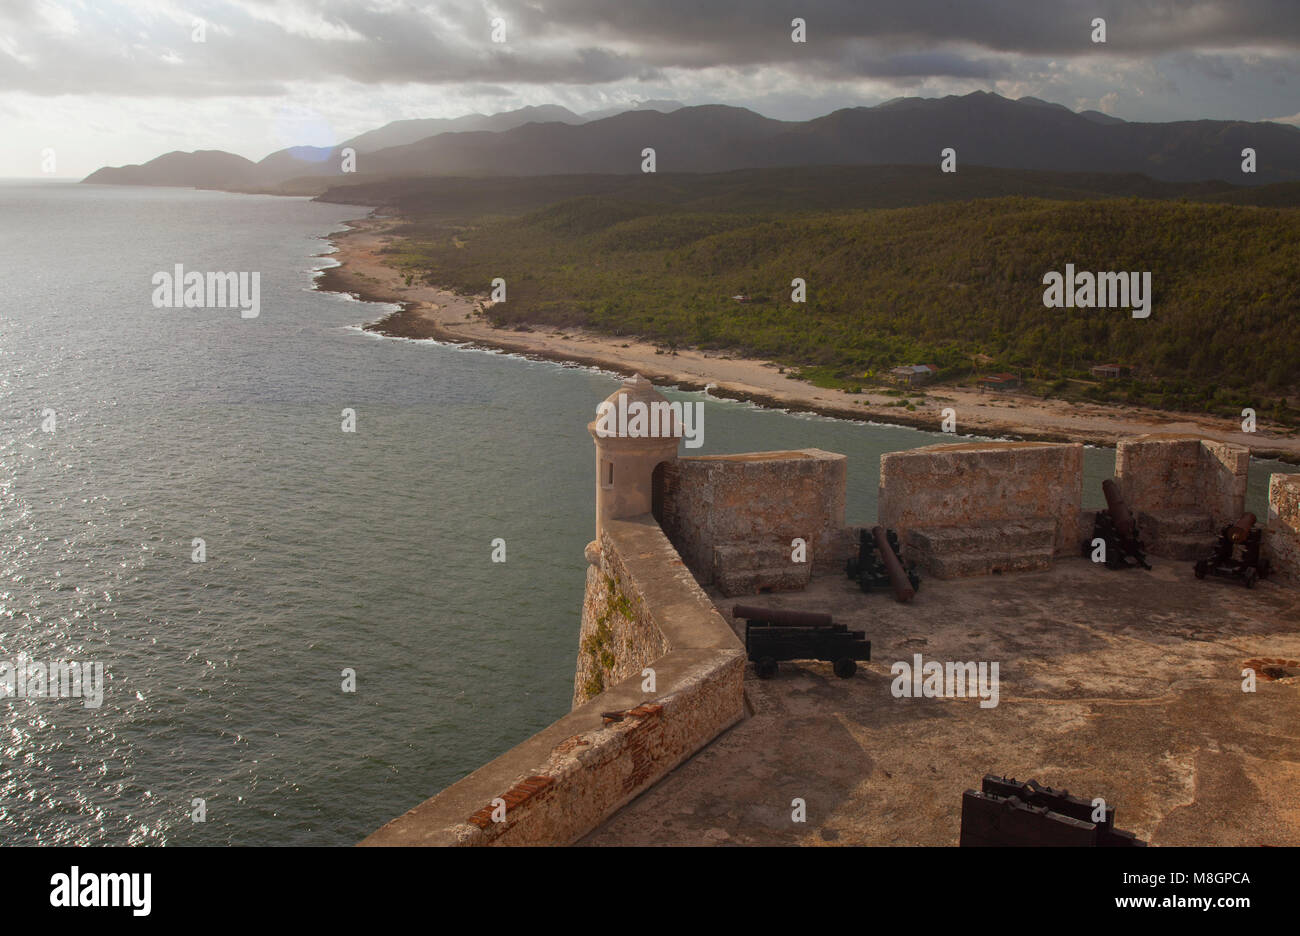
(781, 616)
(903, 590)
(1119, 512)
(1248, 566)
(869, 568)
(1116, 527)
(1240, 530)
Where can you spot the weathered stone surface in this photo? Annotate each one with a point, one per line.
(997, 492)
(1178, 534)
(1282, 536)
(956, 552)
(1181, 489)
(745, 570)
(618, 637)
(1121, 685)
(756, 501)
(1173, 473)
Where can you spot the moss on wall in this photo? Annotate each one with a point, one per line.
(618, 639)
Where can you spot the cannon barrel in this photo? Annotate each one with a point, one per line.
(1240, 530)
(1118, 509)
(903, 590)
(782, 616)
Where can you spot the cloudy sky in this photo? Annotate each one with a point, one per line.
(109, 83)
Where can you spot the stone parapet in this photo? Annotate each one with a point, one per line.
(1181, 489)
(565, 780)
(1282, 535)
(718, 506)
(980, 507)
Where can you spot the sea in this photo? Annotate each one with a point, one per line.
(347, 646)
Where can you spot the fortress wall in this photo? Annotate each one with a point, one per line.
(1167, 473)
(1225, 470)
(986, 486)
(1181, 490)
(568, 778)
(1282, 536)
(759, 501)
(1159, 473)
(619, 636)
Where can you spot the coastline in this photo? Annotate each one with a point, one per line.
(432, 313)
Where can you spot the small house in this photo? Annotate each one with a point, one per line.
(999, 381)
(912, 374)
(1110, 371)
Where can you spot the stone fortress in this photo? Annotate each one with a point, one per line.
(1122, 683)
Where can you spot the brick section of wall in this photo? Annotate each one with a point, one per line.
(514, 799)
(1282, 536)
(759, 501)
(985, 485)
(568, 778)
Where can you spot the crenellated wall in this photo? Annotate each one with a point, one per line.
(728, 520)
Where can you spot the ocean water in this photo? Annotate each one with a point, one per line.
(325, 550)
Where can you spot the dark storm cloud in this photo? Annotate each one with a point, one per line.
(736, 28)
(262, 47)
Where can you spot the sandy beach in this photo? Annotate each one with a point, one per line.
(431, 313)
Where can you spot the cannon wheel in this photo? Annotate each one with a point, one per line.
(1199, 569)
(765, 667)
(844, 667)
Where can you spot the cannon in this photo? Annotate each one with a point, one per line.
(1011, 812)
(878, 565)
(1246, 566)
(774, 634)
(1117, 529)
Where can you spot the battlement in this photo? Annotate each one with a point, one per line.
(660, 672)
(735, 518)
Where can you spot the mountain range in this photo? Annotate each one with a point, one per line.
(984, 129)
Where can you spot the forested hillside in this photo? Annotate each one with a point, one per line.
(934, 283)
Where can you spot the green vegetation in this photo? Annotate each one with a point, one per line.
(599, 644)
(934, 282)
